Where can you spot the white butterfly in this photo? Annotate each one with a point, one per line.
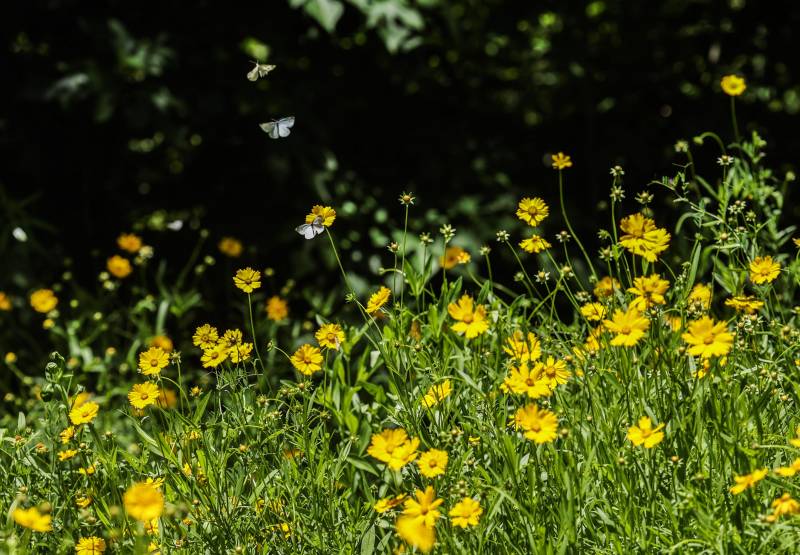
(261, 70)
(278, 129)
(309, 231)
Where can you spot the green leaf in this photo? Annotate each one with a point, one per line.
(326, 12)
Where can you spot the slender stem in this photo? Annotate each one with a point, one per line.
(569, 226)
(253, 331)
(735, 123)
(403, 262)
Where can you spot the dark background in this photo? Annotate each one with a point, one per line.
(110, 111)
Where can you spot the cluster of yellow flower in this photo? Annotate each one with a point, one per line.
(231, 346)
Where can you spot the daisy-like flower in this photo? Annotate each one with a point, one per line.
(231, 338)
(532, 211)
(152, 361)
(649, 291)
(524, 381)
(733, 85)
(5, 302)
(539, 425)
(764, 270)
(388, 503)
(215, 356)
(744, 303)
(644, 433)
(240, 352)
(605, 287)
(783, 505)
(83, 413)
(416, 533)
(789, 471)
(522, 350)
(424, 507)
(129, 242)
(707, 338)
(642, 237)
(307, 359)
(143, 394)
(143, 501)
(90, 546)
(162, 342)
(67, 434)
(471, 323)
(378, 299)
(247, 279)
(594, 312)
(205, 336)
(432, 463)
(453, 256)
(393, 447)
(324, 213)
(43, 300)
(277, 309)
(436, 393)
(553, 372)
(561, 161)
(466, 512)
(119, 266)
(747, 481)
(33, 519)
(66, 454)
(230, 247)
(534, 244)
(330, 336)
(629, 326)
(701, 295)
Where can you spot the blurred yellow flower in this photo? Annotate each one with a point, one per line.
(230, 246)
(701, 295)
(325, 213)
(43, 300)
(594, 312)
(143, 502)
(393, 447)
(644, 433)
(605, 287)
(466, 512)
(471, 323)
(423, 506)
(66, 454)
(747, 481)
(453, 256)
(389, 503)
(436, 393)
(378, 299)
(522, 350)
(162, 342)
(783, 505)
(129, 242)
(764, 270)
(143, 394)
(744, 303)
(33, 519)
(561, 161)
(733, 85)
(307, 359)
(90, 546)
(5, 302)
(330, 336)
(277, 309)
(119, 266)
(416, 533)
(247, 279)
(67, 434)
(789, 471)
(10, 358)
(152, 361)
(532, 211)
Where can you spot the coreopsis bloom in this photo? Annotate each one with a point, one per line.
(393, 447)
(330, 336)
(247, 279)
(644, 433)
(629, 326)
(43, 300)
(539, 425)
(470, 322)
(605, 287)
(66, 454)
(389, 503)
(553, 372)
(205, 337)
(733, 85)
(453, 256)
(152, 361)
(143, 501)
(783, 505)
(143, 394)
(277, 309)
(701, 295)
(436, 393)
(424, 507)
(83, 413)
(524, 381)
(649, 291)
(83, 501)
(747, 481)
(378, 299)
(432, 463)
(522, 350)
(532, 211)
(707, 338)
(162, 342)
(561, 161)
(795, 441)
(466, 512)
(744, 303)
(307, 359)
(416, 533)
(534, 244)
(33, 519)
(324, 213)
(90, 546)
(130, 242)
(67, 434)
(789, 471)
(594, 312)
(240, 352)
(764, 270)
(214, 356)
(5, 302)
(230, 247)
(119, 266)
(642, 237)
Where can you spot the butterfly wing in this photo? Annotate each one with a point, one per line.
(264, 69)
(271, 129)
(253, 74)
(306, 230)
(285, 126)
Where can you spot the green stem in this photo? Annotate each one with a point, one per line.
(569, 226)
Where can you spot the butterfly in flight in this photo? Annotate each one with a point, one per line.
(278, 129)
(261, 70)
(309, 231)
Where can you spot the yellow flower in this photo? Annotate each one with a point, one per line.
(393, 447)
(214, 356)
(645, 434)
(307, 359)
(67, 434)
(594, 312)
(701, 295)
(784, 505)
(744, 303)
(143, 502)
(83, 501)
(469, 322)
(436, 393)
(642, 237)
(708, 339)
(151, 527)
(129, 242)
(330, 336)
(532, 211)
(277, 309)
(88, 471)
(606, 287)
(325, 213)
(90, 546)
(389, 503)
(230, 338)
(466, 512)
(66, 454)
(205, 337)
(378, 299)
(795, 441)
(539, 424)
(33, 519)
(747, 481)
(5, 302)
(796, 242)
(789, 471)
(10, 358)
(230, 246)
(162, 342)
(424, 508)
(629, 326)
(152, 361)
(247, 279)
(83, 413)
(649, 291)
(534, 244)
(733, 85)
(523, 381)
(143, 394)
(454, 256)
(553, 372)
(119, 266)
(521, 350)
(561, 161)
(240, 352)
(432, 463)
(764, 270)
(43, 300)
(416, 533)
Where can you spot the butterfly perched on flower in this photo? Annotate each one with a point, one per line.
(311, 230)
(278, 129)
(261, 70)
